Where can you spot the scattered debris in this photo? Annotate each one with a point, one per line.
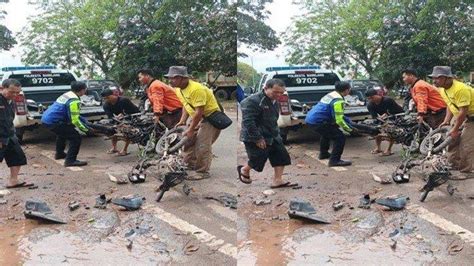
(91, 220)
(337, 205)
(189, 249)
(300, 209)
(419, 237)
(228, 200)
(3, 201)
(39, 210)
(118, 180)
(297, 187)
(355, 220)
(455, 247)
(155, 237)
(101, 202)
(451, 189)
(73, 205)
(5, 192)
(33, 187)
(393, 246)
(395, 233)
(364, 202)
(129, 244)
(268, 192)
(260, 202)
(393, 204)
(381, 180)
(130, 203)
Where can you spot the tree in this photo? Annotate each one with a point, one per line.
(247, 75)
(6, 39)
(251, 28)
(383, 37)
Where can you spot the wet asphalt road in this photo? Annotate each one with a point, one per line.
(193, 230)
(190, 230)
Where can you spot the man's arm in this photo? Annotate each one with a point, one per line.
(108, 111)
(339, 116)
(157, 98)
(371, 109)
(420, 95)
(250, 114)
(459, 121)
(129, 107)
(75, 115)
(184, 117)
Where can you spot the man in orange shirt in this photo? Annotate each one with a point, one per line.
(430, 105)
(166, 105)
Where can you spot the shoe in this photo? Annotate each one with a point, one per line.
(59, 156)
(75, 163)
(339, 163)
(323, 156)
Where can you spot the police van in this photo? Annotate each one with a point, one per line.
(305, 86)
(41, 86)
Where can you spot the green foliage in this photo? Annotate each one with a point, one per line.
(6, 39)
(247, 75)
(383, 37)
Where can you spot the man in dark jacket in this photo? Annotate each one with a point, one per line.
(261, 135)
(10, 148)
(64, 119)
(117, 106)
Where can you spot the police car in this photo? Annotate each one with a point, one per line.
(305, 86)
(41, 86)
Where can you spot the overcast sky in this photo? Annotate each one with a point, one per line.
(281, 13)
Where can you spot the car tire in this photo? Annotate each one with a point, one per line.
(221, 94)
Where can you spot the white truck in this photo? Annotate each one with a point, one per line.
(224, 87)
(305, 86)
(41, 86)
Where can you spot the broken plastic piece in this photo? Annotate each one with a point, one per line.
(300, 209)
(101, 202)
(39, 210)
(73, 205)
(338, 205)
(393, 204)
(130, 204)
(364, 202)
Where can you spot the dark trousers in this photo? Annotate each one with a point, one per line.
(328, 133)
(67, 133)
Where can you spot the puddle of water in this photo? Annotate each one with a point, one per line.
(55, 247)
(312, 247)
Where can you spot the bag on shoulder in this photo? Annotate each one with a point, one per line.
(219, 120)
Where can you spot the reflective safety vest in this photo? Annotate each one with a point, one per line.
(330, 109)
(65, 110)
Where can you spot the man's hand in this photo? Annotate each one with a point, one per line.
(180, 123)
(443, 124)
(156, 118)
(455, 133)
(420, 119)
(382, 117)
(119, 116)
(189, 133)
(261, 144)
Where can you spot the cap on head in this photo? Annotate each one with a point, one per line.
(370, 92)
(441, 71)
(106, 92)
(177, 71)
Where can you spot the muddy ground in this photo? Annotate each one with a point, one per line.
(194, 230)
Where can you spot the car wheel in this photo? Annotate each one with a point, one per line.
(221, 94)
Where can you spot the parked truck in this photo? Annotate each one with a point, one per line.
(224, 87)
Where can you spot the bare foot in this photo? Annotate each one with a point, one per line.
(112, 151)
(376, 151)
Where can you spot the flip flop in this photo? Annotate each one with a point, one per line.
(243, 178)
(375, 151)
(20, 185)
(386, 154)
(123, 154)
(285, 184)
(112, 151)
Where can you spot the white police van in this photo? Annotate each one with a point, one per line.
(41, 86)
(305, 86)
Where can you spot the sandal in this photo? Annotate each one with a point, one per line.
(243, 178)
(285, 184)
(112, 151)
(376, 151)
(386, 154)
(20, 185)
(123, 154)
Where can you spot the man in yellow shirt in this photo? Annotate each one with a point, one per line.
(459, 98)
(198, 102)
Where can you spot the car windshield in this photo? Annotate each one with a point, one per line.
(308, 79)
(41, 79)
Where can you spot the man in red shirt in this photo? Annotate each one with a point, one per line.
(430, 105)
(166, 105)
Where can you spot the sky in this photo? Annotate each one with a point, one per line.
(17, 13)
(281, 13)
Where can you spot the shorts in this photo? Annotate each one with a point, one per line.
(276, 153)
(12, 153)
